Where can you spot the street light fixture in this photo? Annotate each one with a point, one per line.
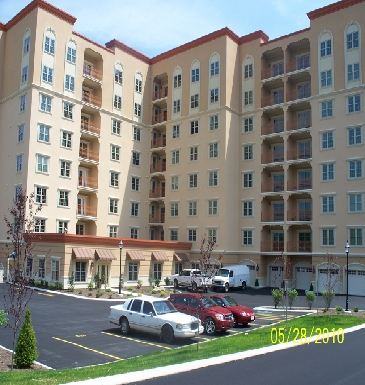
(120, 265)
(347, 247)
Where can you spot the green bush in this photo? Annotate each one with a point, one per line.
(157, 282)
(108, 290)
(80, 292)
(139, 294)
(139, 282)
(3, 318)
(328, 296)
(339, 309)
(154, 291)
(277, 296)
(46, 284)
(26, 350)
(71, 282)
(257, 282)
(90, 285)
(167, 281)
(51, 286)
(292, 296)
(162, 293)
(310, 296)
(58, 285)
(356, 309)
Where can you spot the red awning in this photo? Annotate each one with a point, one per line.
(105, 255)
(181, 257)
(135, 255)
(81, 253)
(160, 256)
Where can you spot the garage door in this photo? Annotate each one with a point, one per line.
(276, 276)
(323, 279)
(303, 277)
(356, 282)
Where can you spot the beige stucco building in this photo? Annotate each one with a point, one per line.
(258, 143)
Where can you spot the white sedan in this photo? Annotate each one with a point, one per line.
(154, 315)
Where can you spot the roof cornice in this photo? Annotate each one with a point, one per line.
(112, 44)
(332, 8)
(92, 41)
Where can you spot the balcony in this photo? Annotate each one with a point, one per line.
(87, 125)
(158, 167)
(299, 184)
(299, 215)
(299, 153)
(272, 128)
(157, 192)
(300, 63)
(88, 182)
(299, 93)
(272, 156)
(87, 211)
(160, 94)
(158, 142)
(92, 72)
(86, 153)
(298, 123)
(272, 71)
(299, 246)
(273, 99)
(157, 218)
(159, 118)
(273, 186)
(272, 246)
(272, 216)
(91, 99)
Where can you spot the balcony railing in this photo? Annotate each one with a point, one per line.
(272, 246)
(91, 99)
(299, 93)
(159, 118)
(87, 211)
(299, 215)
(272, 72)
(87, 125)
(272, 156)
(272, 216)
(272, 99)
(92, 72)
(162, 93)
(89, 154)
(158, 167)
(298, 123)
(272, 186)
(157, 192)
(299, 63)
(158, 142)
(299, 246)
(157, 218)
(88, 181)
(272, 128)
(299, 153)
(299, 184)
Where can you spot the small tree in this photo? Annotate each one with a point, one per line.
(277, 296)
(332, 278)
(310, 296)
(26, 350)
(292, 297)
(71, 282)
(3, 318)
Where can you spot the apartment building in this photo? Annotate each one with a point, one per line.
(254, 142)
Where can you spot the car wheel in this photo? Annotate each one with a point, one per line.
(209, 326)
(235, 321)
(176, 284)
(124, 326)
(194, 287)
(243, 285)
(167, 334)
(226, 288)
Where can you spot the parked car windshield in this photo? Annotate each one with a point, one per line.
(207, 302)
(223, 273)
(229, 301)
(164, 307)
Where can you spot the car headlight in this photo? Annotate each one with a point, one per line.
(219, 316)
(244, 313)
(182, 326)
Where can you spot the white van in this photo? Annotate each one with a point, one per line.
(231, 276)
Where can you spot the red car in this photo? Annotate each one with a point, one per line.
(212, 316)
(241, 314)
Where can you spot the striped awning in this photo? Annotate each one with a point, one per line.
(105, 255)
(135, 255)
(181, 257)
(160, 256)
(81, 253)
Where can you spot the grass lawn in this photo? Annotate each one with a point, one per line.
(266, 336)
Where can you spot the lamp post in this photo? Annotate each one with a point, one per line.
(120, 265)
(347, 247)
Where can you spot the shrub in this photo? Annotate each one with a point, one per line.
(277, 296)
(130, 295)
(100, 292)
(71, 282)
(3, 318)
(26, 350)
(46, 284)
(328, 296)
(140, 282)
(42, 282)
(257, 282)
(58, 285)
(51, 287)
(130, 288)
(154, 291)
(37, 284)
(162, 293)
(310, 296)
(90, 285)
(167, 281)
(292, 296)
(339, 309)
(97, 280)
(356, 309)
(139, 294)
(108, 290)
(80, 292)
(157, 282)
(311, 287)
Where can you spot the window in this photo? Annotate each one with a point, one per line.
(65, 167)
(116, 127)
(213, 150)
(21, 133)
(248, 152)
(248, 98)
(328, 204)
(191, 237)
(134, 233)
(214, 122)
(55, 269)
(113, 206)
(176, 106)
(136, 156)
(42, 163)
(174, 209)
(19, 163)
(355, 169)
(114, 152)
(193, 180)
(132, 271)
(247, 237)
(26, 45)
(43, 133)
(214, 68)
(212, 235)
(195, 75)
(193, 209)
(248, 71)
(138, 86)
(326, 78)
(41, 195)
(118, 102)
(356, 203)
(353, 71)
(137, 109)
(67, 110)
(356, 236)
(213, 178)
(63, 198)
(247, 209)
(118, 76)
(23, 100)
(176, 131)
(80, 271)
(47, 75)
(326, 108)
(62, 227)
(328, 172)
(327, 140)
(49, 45)
(46, 103)
(174, 183)
(194, 101)
(354, 103)
(137, 134)
(25, 74)
(113, 231)
(194, 127)
(39, 225)
(174, 235)
(66, 139)
(352, 40)
(175, 157)
(328, 237)
(193, 153)
(71, 55)
(114, 179)
(355, 136)
(248, 124)
(134, 209)
(302, 61)
(212, 207)
(80, 229)
(214, 95)
(247, 180)
(157, 270)
(70, 83)
(135, 183)
(326, 48)
(177, 81)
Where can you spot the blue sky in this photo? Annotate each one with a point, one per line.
(153, 27)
